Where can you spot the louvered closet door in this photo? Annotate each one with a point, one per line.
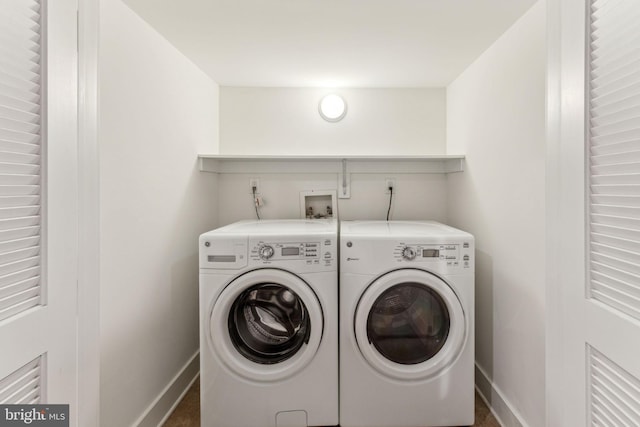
(38, 201)
(20, 159)
(613, 243)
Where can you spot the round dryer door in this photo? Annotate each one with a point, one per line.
(266, 325)
(409, 324)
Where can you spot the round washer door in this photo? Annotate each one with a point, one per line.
(266, 325)
(409, 325)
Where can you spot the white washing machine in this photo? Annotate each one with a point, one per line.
(269, 324)
(406, 324)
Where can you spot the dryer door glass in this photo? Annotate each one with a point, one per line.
(408, 323)
(268, 323)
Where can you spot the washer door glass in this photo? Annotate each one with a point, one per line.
(408, 323)
(268, 323)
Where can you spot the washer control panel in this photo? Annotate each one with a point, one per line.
(312, 252)
(285, 251)
(314, 255)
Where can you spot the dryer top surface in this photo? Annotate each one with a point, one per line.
(395, 229)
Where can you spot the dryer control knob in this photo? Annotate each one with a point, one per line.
(266, 252)
(408, 253)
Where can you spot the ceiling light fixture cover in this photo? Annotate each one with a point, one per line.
(332, 108)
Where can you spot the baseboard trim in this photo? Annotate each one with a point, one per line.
(501, 408)
(162, 407)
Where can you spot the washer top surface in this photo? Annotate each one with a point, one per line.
(278, 227)
(394, 229)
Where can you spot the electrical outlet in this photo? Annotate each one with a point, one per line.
(389, 182)
(254, 182)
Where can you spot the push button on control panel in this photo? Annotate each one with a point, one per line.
(466, 261)
(311, 250)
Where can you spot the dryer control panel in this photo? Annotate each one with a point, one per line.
(451, 255)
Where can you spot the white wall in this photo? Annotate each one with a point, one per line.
(416, 196)
(286, 121)
(157, 112)
(496, 116)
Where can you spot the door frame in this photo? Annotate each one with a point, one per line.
(565, 207)
(88, 310)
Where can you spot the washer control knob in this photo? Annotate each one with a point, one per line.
(408, 253)
(266, 252)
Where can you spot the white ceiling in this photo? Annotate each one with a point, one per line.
(331, 43)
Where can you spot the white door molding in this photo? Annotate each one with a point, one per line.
(565, 207)
(89, 216)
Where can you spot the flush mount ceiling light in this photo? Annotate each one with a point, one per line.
(332, 108)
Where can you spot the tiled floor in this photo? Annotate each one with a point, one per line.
(187, 414)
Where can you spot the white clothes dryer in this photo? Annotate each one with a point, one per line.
(269, 324)
(406, 324)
